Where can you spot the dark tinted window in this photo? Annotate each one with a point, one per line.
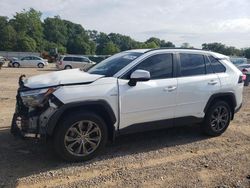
(67, 59)
(192, 64)
(78, 59)
(216, 65)
(160, 66)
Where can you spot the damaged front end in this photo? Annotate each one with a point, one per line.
(34, 107)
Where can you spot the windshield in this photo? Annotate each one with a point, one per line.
(110, 66)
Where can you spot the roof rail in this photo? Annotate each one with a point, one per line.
(171, 48)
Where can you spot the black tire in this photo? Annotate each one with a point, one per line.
(63, 129)
(213, 125)
(40, 65)
(67, 67)
(16, 65)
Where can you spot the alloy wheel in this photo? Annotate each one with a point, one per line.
(219, 118)
(82, 138)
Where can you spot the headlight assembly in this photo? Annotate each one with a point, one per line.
(36, 98)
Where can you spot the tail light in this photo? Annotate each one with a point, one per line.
(242, 78)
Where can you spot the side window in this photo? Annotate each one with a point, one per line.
(85, 59)
(26, 58)
(192, 64)
(67, 59)
(209, 69)
(78, 59)
(160, 66)
(35, 58)
(216, 65)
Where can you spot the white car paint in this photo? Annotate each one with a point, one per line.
(62, 77)
(150, 100)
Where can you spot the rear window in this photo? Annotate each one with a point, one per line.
(216, 65)
(192, 64)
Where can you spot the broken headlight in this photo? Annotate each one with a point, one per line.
(36, 98)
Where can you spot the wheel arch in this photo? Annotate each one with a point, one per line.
(67, 65)
(16, 62)
(228, 97)
(100, 107)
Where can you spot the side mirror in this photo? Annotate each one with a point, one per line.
(138, 76)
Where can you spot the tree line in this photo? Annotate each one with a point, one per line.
(26, 31)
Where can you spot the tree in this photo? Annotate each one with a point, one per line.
(151, 45)
(8, 38)
(222, 48)
(167, 44)
(55, 30)
(29, 24)
(247, 53)
(110, 48)
(25, 43)
(155, 40)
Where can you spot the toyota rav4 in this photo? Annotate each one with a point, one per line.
(135, 90)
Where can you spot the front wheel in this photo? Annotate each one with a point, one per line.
(217, 119)
(80, 137)
(16, 65)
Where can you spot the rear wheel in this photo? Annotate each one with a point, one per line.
(40, 65)
(67, 67)
(217, 119)
(16, 65)
(80, 137)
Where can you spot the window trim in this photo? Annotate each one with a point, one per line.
(159, 53)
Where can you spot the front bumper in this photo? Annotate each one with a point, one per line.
(32, 122)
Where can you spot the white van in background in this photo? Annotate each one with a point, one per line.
(71, 62)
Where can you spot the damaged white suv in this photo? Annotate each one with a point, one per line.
(135, 90)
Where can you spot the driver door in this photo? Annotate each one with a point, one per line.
(149, 101)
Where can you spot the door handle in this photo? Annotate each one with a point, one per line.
(212, 82)
(170, 88)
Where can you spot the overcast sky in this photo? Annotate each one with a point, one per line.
(179, 21)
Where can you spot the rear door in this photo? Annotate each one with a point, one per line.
(196, 83)
(67, 60)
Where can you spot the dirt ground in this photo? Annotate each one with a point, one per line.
(178, 157)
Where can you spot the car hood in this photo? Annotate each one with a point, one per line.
(64, 77)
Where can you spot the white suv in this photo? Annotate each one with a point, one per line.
(135, 90)
(71, 61)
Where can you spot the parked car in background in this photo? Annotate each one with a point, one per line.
(70, 62)
(244, 68)
(11, 60)
(30, 61)
(238, 60)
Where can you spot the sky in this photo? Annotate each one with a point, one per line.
(178, 21)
